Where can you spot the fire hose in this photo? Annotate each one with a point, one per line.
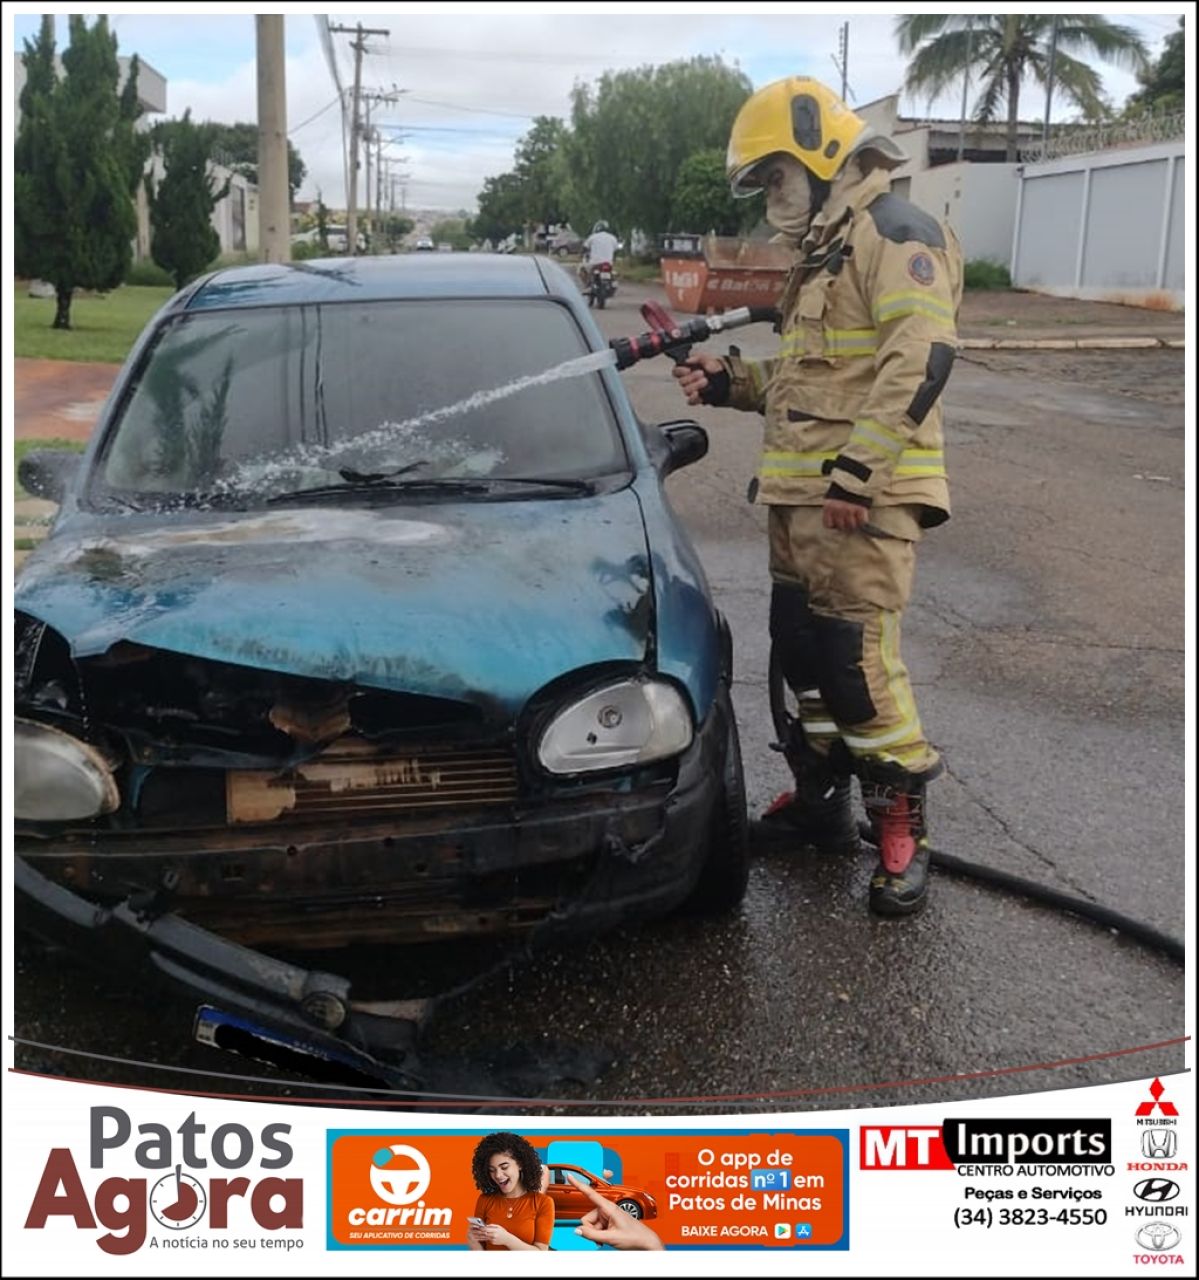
(668, 336)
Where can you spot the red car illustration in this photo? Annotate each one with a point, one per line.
(570, 1204)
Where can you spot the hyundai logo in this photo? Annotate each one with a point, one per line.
(1159, 1190)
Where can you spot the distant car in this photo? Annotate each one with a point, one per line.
(424, 245)
(302, 667)
(566, 242)
(570, 1204)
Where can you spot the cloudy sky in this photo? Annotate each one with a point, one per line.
(474, 77)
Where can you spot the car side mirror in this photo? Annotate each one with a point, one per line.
(48, 473)
(676, 444)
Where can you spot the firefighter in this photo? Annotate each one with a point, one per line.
(852, 467)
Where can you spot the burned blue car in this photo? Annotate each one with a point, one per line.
(365, 619)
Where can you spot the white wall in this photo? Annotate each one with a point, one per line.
(1106, 226)
(977, 200)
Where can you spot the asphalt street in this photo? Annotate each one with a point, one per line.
(1046, 644)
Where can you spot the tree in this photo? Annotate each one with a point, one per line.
(77, 162)
(237, 147)
(632, 132)
(501, 208)
(1163, 84)
(322, 221)
(539, 171)
(1002, 50)
(451, 231)
(703, 202)
(183, 240)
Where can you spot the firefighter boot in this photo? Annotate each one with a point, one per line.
(819, 812)
(899, 885)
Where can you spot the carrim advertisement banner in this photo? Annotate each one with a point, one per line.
(124, 1182)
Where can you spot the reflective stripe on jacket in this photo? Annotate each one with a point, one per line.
(868, 336)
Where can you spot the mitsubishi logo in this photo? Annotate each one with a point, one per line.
(1158, 1190)
(1166, 1108)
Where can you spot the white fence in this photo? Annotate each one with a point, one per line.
(1107, 226)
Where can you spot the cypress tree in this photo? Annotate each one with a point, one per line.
(77, 161)
(183, 240)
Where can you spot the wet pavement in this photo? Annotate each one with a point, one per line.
(1046, 645)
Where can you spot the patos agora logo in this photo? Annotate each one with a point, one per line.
(176, 1183)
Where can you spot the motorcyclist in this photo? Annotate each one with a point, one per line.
(600, 246)
(853, 468)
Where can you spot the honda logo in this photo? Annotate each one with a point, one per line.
(1159, 1144)
(1158, 1190)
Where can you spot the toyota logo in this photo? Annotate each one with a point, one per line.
(1158, 1236)
(1159, 1190)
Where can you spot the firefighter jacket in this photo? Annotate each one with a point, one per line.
(868, 323)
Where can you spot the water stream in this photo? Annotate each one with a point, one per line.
(260, 472)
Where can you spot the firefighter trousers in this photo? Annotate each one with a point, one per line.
(835, 614)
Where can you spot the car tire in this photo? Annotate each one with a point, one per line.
(562, 252)
(632, 1208)
(724, 876)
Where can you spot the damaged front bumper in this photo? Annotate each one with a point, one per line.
(608, 861)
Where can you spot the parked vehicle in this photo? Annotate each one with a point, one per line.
(601, 284)
(570, 1204)
(424, 244)
(566, 242)
(307, 662)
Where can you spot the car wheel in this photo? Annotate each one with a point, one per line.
(631, 1207)
(561, 252)
(724, 876)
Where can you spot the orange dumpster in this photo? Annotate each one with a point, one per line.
(706, 274)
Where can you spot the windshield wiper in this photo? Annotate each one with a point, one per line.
(568, 484)
(370, 477)
(380, 485)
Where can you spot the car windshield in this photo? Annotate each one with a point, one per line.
(256, 403)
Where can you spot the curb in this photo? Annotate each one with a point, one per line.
(1070, 344)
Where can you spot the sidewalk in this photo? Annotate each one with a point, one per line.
(58, 398)
(1007, 319)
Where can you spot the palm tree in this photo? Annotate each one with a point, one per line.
(1002, 49)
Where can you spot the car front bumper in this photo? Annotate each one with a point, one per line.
(193, 914)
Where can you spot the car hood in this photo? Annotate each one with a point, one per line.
(481, 601)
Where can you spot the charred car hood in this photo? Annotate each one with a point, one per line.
(478, 601)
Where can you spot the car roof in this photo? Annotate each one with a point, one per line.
(373, 279)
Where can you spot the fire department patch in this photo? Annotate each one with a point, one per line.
(921, 269)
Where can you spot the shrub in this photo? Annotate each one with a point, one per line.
(982, 273)
(148, 272)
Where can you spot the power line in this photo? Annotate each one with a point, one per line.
(482, 111)
(321, 112)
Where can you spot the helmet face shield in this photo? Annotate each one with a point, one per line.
(798, 117)
(753, 179)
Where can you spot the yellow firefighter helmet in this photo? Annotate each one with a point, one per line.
(799, 117)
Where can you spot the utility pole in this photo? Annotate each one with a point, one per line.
(370, 136)
(844, 60)
(274, 194)
(359, 47)
(965, 86)
(1049, 87)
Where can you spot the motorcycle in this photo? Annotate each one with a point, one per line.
(601, 285)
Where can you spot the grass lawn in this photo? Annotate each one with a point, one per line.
(102, 327)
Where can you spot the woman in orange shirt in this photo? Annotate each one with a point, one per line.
(514, 1211)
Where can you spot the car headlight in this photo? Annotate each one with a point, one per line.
(626, 723)
(57, 777)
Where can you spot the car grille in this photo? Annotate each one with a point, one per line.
(355, 780)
